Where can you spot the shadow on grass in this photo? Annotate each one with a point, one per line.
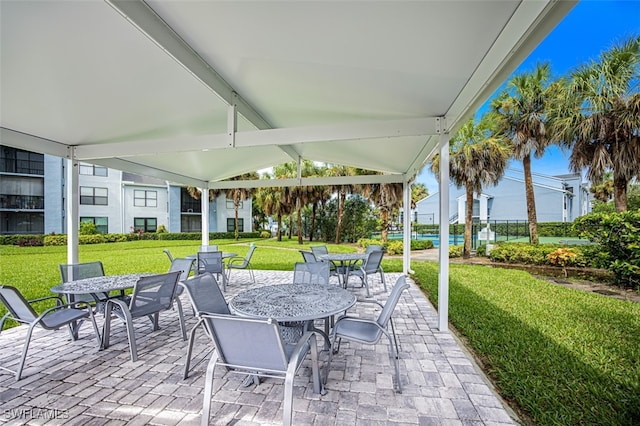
(543, 376)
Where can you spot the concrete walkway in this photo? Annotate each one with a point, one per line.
(72, 383)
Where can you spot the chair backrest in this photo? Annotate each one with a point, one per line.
(247, 258)
(392, 301)
(373, 247)
(17, 305)
(311, 273)
(80, 271)
(153, 294)
(372, 263)
(205, 294)
(183, 265)
(169, 255)
(252, 344)
(210, 261)
(317, 250)
(308, 256)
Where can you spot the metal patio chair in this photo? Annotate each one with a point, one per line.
(247, 345)
(308, 256)
(370, 332)
(169, 255)
(80, 271)
(53, 318)
(239, 262)
(311, 273)
(184, 266)
(211, 261)
(334, 270)
(205, 296)
(151, 295)
(370, 267)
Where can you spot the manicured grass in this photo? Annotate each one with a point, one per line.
(34, 270)
(563, 356)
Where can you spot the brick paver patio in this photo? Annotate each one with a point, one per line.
(72, 383)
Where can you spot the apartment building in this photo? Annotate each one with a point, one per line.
(32, 199)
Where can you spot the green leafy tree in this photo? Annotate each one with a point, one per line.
(476, 157)
(520, 114)
(238, 195)
(598, 116)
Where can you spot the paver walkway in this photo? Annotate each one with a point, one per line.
(72, 383)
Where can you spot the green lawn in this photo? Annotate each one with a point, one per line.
(564, 356)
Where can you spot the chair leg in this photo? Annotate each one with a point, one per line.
(181, 318)
(131, 335)
(287, 409)
(192, 337)
(25, 348)
(365, 281)
(208, 390)
(384, 283)
(395, 360)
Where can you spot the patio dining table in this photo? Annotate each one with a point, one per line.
(97, 285)
(343, 261)
(293, 303)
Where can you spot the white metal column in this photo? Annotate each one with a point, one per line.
(73, 199)
(204, 203)
(406, 225)
(443, 276)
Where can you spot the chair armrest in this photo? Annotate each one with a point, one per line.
(297, 351)
(40, 299)
(370, 301)
(234, 260)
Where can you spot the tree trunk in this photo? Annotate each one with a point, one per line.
(341, 199)
(468, 222)
(531, 201)
(279, 227)
(290, 225)
(384, 221)
(313, 221)
(620, 193)
(236, 205)
(299, 222)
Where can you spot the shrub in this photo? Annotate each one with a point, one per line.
(618, 237)
(88, 228)
(161, 229)
(55, 240)
(265, 234)
(455, 251)
(394, 247)
(92, 239)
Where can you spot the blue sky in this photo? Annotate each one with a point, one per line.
(591, 27)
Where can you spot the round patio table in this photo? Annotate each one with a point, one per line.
(294, 304)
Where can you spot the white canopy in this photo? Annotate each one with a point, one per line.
(195, 92)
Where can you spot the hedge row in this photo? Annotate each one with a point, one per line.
(515, 228)
(61, 239)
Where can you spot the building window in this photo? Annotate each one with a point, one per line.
(146, 224)
(145, 198)
(92, 170)
(231, 225)
(93, 196)
(101, 223)
(188, 204)
(14, 160)
(230, 205)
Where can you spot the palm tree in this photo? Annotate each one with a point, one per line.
(386, 197)
(238, 195)
(600, 118)
(271, 198)
(418, 192)
(603, 190)
(342, 190)
(476, 158)
(520, 115)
